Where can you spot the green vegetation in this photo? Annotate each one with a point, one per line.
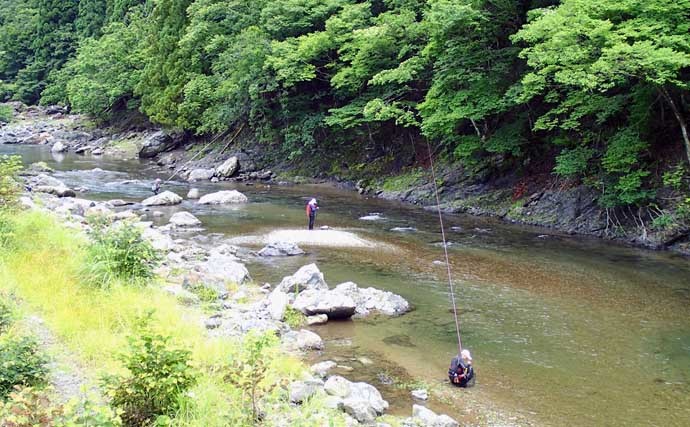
(404, 181)
(6, 114)
(118, 253)
(597, 88)
(96, 323)
(294, 318)
(22, 363)
(9, 183)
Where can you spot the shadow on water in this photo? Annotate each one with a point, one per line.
(563, 330)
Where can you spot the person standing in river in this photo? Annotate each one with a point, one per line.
(156, 187)
(312, 207)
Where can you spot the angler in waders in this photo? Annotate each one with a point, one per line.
(461, 372)
(156, 187)
(312, 207)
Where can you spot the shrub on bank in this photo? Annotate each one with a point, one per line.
(10, 187)
(118, 253)
(21, 363)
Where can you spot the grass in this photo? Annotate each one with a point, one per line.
(404, 181)
(42, 269)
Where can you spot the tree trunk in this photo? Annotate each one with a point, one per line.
(681, 121)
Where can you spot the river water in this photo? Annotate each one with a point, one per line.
(564, 330)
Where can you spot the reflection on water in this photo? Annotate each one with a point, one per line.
(566, 330)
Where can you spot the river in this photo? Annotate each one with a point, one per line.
(563, 330)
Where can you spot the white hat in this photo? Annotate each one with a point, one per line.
(465, 354)
(312, 202)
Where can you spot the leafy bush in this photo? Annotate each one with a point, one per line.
(22, 364)
(675, 177)
(84, 412)
(29, 407)
(294, 318)
(118, 252)
(6, 114)
(7, 230)
(157, 378)
(6, 313)
(9, 183)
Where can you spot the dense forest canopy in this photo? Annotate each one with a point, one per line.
(599, 87)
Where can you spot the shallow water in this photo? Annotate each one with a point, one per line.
(563, 330)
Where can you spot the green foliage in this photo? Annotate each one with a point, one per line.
(118, 252)
(157, 378)
(294, 318)
(29, 407)
(248, 369)
(6, 114)
(676, 177)
(6, 313)
(22, 363)
(9, 183)
(573, 162)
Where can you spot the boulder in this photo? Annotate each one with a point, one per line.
(302, 340)
(337, 386)
(428, 418)
(229, 168)
(193, 193)
(307, 277)
(277, 304)
(157, 143)
(420, 394)
(360, 400)
(331, 303)
(43, 179)
(220, 269)
(200, 175)
(359, 410)
(58, 147)
(184, 219)
(158, 240)
(300, 391)
(280, 249)
(56, 191)
(223, 197)
(318, 319)
(163, 199)
(371, 299)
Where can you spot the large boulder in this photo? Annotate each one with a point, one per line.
(371, 299)
(360, 400)
(300, 391)
(277, 304)
(162, 199)
(307, 277)
(331, 303)
(281, 249)
(184, 219)
(221, 269)
(229, 168)
(321, 369)
(58, 147)
(200, 175)
(223, 197)
(157, 143)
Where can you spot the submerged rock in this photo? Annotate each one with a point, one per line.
(307, 277)
(223, 197)
(163, 199)
(280, 249)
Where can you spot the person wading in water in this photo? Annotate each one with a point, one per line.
(312, 207)
(156, 187)
(461, 372)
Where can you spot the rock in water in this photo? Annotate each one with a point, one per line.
(281, 249)
(302, 340)
(157, 143)
(307, 277)
(164, 198)
(193, 193)
(229, 168)
(321, 369)
(58, 147)
(223, 197)
(200, 175)
(371, 299)
(427, 417)
(361, 400)
(184, 219)
(333, 304)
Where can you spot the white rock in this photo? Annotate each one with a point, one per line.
(162, 199)
(193, 193)
(200, 175)
(228, 168)
(427, 417)
(302, 340)
(277, 304)
(321, 369)
(337, 386)
(58, 147)
(184, 219)
(335, 305)
(223, 197)
(307, 277)
(420, 394)
(318, 319)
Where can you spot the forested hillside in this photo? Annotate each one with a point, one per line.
(596, 90)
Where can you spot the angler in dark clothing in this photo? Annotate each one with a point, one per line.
(312, 207)
(156, 187)
(461, 372)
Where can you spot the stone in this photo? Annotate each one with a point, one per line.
(200, 175)
(307, 277)
(300, 391)
(333, 304)
(420, 394)
(321, 369)
(371, 217)
(158, 240)
(318, 319)
(157, 214)
(157, 143)
(97, 151)
(56, 191)
(221, 269)
(428, 418)
(184, 219)
(337, 386)
(193, 193)
(116, 203)
(213, 323)
(58, 147)
(302, 340)
(368, 393)
(277, 304)
(359, 410)
(163, 199)
(280, 249)
(229, 168)
(371, 299)
(98, 210)
(223, 197)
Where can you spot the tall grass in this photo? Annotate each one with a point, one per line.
(43, 269)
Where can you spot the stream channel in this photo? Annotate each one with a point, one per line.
(563, 330)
